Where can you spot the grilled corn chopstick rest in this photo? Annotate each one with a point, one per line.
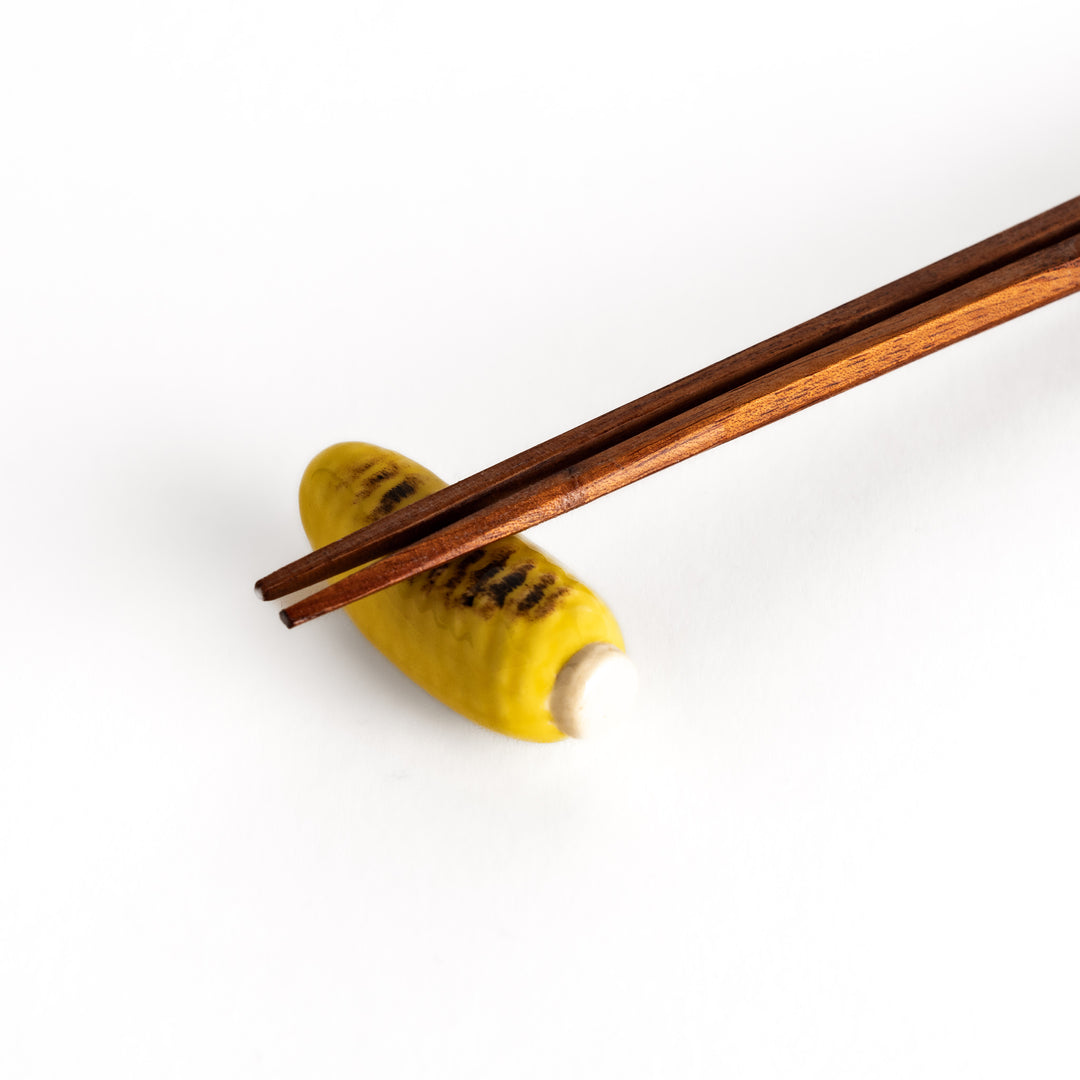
(502, 635)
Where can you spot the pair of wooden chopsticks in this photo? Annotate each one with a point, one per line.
(1015, 271)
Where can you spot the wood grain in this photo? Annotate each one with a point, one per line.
(487, 488)
(977, 305)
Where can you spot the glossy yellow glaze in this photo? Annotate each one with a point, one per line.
(488, 632)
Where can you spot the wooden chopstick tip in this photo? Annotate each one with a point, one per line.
(293, 611)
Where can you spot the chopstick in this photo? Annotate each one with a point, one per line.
(1013, 272)
(439, 509)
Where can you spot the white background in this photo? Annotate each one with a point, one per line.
(839, 837)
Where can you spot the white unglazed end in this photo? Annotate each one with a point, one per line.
(594, 689)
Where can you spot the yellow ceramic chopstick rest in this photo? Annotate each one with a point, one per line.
(502, 635)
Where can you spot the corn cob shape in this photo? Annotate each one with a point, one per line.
(502, 635)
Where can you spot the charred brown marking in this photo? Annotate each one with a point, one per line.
(501, 589)
(372, 482)
(461, 568)
(489, 587)
(538, 602)
(536, 593)
(548, 604)
(431, 578)
(485, 573)
(355, 471)
(480, 578)
(399, 491)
